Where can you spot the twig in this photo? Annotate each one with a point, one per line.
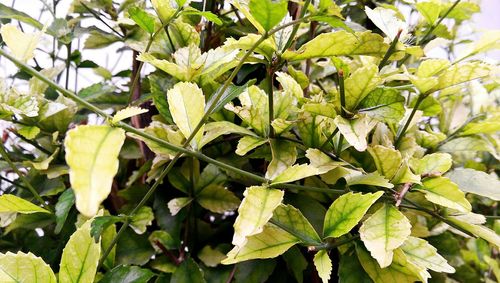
(391, 50)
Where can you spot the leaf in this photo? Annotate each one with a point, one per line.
(476, 182)
(163, 9)
(461, 73)
(383, 104)
(247, 143)
(254, 212)
(11, 203)
(387, 160)
(493, 265)
(323, 265)
(22, 45)
(346, 211)
(355, 131)
(296, 172)
(175, 205)
(421, 253)
(253, 110)
(163, 238)
(291, 220)
(254, 271)
(360, 84)
(387, 21)
(489, 40)
(468, 144)
(92, 156)
(141, 219)
(209, 16)
(230, 93)
(187, 104)
(269, 243)
(7, 12)
(101, 223)
(429, 10)
(127, 113)
(435, 163)
(394, 273)
(21, 267)
(211, 257)
(322, 161)
(217, 199)
(296, 263)
(432, 67)
(63, 206)
(339, 43)
(373, 179)
(442, 191)
(28, 132)
(143, 19)
(127, 274)
(351, 271)
(80, 256)
(383, 232)
(267, 12)
(214, 130)
(99, 39)
(490, 125)
(478, 230)
(284, 155)
(13, 103)
(158, 86)
(188, 271)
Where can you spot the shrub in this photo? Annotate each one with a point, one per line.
(274, 141)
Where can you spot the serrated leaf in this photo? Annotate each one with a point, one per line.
(267, 12)
(383, 232)
(254, 212)
(127, 113)
(359, 84)
(175, 205)
(188, 271)
(435, 163)
(92, 156)
(217, 199)
(63, 206)
(22, 45)
(384, 104)
(230, 93)
(163, 238)
(143, 19)
(141, 219)
(187, 104)
(421, 253)
(247, 143)
(346, 211)
(12, 203)
(442, 191)
(429, 10)
(394, 273)
(22, 267)
(339, 43)
(269, 243)
(80, 256)
(290, 85)
(14, 103)
(476, 182)
(355, 131)
(164, 10)
(387, 21)
(253, 110)
(372, 179)
(127, 274)
(323, 265)
(490, 125)
(284, 155)
(322, 161)
(291, 220)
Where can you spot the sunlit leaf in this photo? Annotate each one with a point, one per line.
(442, 191)
(429, 10)
(435, 163)
(387, 21)
(247, 143)
(217, 199)
(92, 155)
(355, 131)
(12, 203)
(284, 155)
(421, 253)
(22, 267)
(22, 45)
(478, 230)
(267, 12)
(476, 182)
(141, 219)
(127, 113)
(291, 220)
(323, 265)
(384, 104)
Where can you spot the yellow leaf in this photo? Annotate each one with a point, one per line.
(21, 44)
(127, 113)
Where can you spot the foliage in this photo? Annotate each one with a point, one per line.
(250, 141)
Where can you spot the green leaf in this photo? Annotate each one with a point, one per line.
(284, 155)
(101, 223)
(141, 219)
(163, 9)
(291, 220)
(22, 45)
(435, 163)
(468, 144)
(431, 67)
(461, 73)
(254, 212)
(11, 203)
(217, 199)
(493, 265)
(13, 103)
(383, 232)
(63, 206)
(7, 12)
(158, 86)
(253, 110)
(387, 21)
(99, 39)
(127, 113)
(296, 263)
(269, 243)
(143, 19)
(296, 172)
(429, 10)
(322, 161)
(127, 274)
(92, 156)
(187, 104)
(188, 271)
(421, 253)
(214, 130)
(247, 143)
(339, 43)
(490, 125)
(478, 230)
(209, 16)
(394, 273)
(355, 131)
(360, 84)
(323, 265)
(163, 238)
(442, 191)
(346, 211)
(476, 182)
(387, 160)
(384, 104)
(230, 93)
(211, 257)
(175, 205)
(429, 106)
(28, 132)
(372, 179)
(21, 267)
(267, 12)
(351, 271)
(80, 256)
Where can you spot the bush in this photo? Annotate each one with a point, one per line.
(274, 141)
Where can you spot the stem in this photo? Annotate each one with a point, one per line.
(457, 131)
(296, 28)
(342, 93)
(333, 245)
(28, 185)
(420, 98)
(329, 139)
(68, 65)
(390, 51)
(270, 102)
(96, 15)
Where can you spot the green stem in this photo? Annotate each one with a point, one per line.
(296, 28)
(270, 97)
(329, 139)
(390, 51)
(68, 64)
(342, 93)
(28, 185)
(420, 98)
(457, 131)
(334, 245)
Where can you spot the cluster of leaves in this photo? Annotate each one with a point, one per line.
(273, 141)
